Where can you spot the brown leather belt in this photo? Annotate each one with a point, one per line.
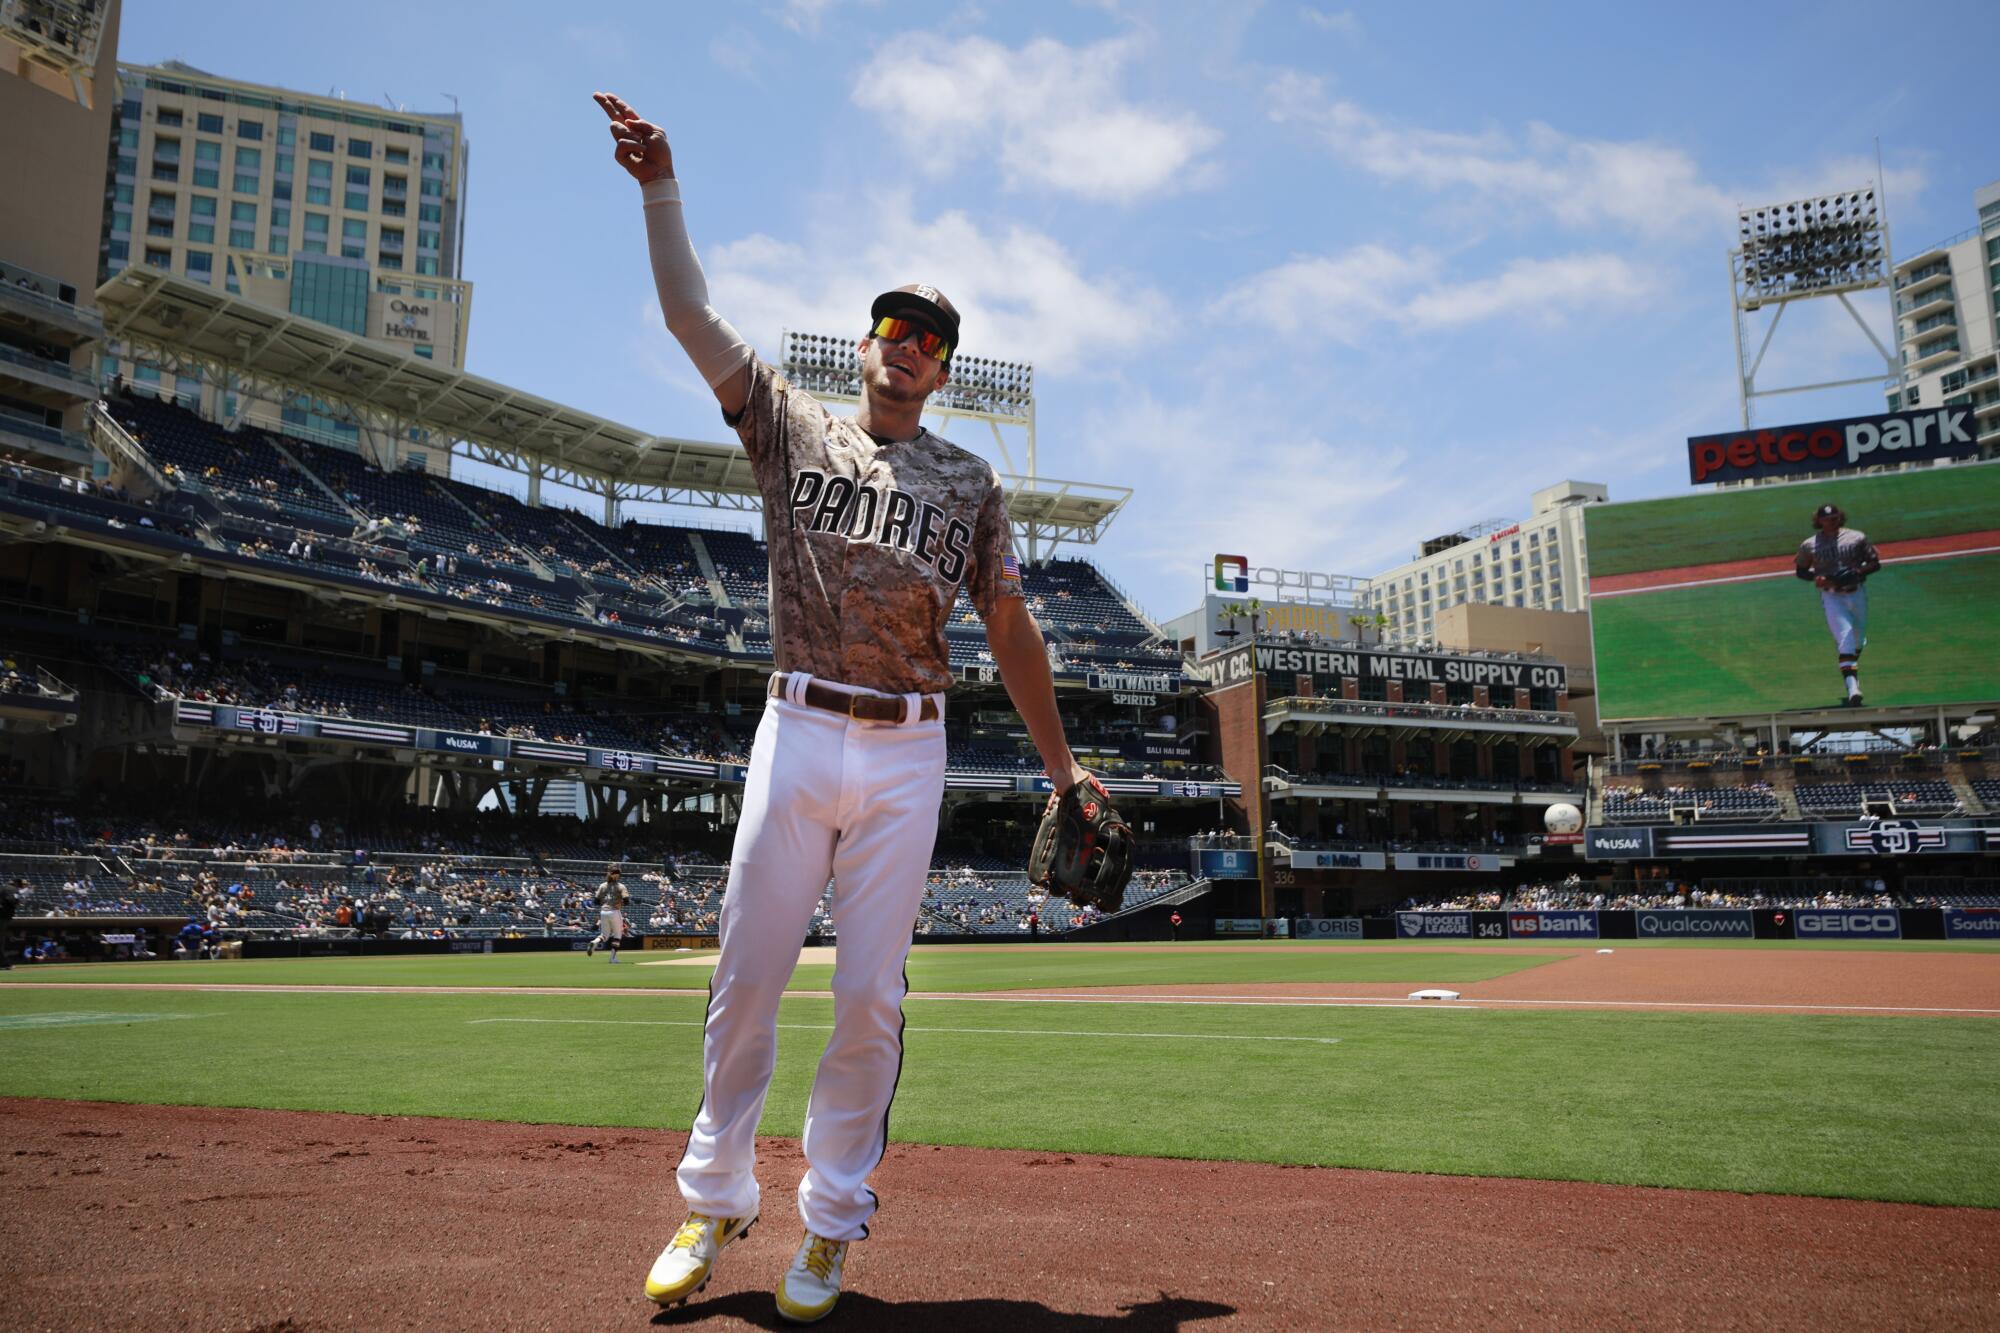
(867, 707)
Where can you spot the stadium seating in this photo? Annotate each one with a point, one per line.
(459, 542)
(1625, 805)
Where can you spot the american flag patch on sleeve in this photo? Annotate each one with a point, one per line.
(1010, 568)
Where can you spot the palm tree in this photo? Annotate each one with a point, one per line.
(1239, 611)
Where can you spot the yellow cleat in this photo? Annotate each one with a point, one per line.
(683, 1267)
(812, 1284)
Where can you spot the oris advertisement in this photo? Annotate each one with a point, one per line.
(1327, 928)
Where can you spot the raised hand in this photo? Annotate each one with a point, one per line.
(640, 146)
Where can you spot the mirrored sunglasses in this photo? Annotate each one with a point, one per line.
(930, 344)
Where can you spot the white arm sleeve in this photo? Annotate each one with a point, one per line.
(717, 350)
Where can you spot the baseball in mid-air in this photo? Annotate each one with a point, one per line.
(1563, 818)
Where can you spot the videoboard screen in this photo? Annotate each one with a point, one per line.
(1698, 609)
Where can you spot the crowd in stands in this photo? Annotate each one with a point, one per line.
(286, 499)
(1573, 894)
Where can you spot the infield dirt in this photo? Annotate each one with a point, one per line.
(179, 1217)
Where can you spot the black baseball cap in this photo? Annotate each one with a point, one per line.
(925, 302)
(1828, 511)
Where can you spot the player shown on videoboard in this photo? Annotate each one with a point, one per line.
(1837, 560)
(874, 525)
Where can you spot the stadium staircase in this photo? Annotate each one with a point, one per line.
(515, 551)
(1785, 786)
(277, 443)
(708, 570)
(1154, 634)
(1962, 788)
(117, 444)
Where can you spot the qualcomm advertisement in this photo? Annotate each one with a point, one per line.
(1699, 923)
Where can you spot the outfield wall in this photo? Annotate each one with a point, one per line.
(1696, 924)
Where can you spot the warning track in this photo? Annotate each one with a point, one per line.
(1780, 566)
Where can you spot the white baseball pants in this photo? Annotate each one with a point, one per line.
(826, 795)
(1846, 619)
(610, 925)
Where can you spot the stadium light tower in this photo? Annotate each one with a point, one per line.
(1829, 245)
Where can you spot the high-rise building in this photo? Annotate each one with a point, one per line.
(341, 212)
(56, 79)
(1947, 301)
(1537, 562)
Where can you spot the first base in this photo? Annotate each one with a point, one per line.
(1434, 995)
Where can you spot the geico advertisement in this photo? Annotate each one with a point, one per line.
(1875, 923)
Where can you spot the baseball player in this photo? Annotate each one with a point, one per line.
(873, 525)
(611, 898)
(1838, 560)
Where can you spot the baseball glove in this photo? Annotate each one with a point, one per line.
(1083, 849)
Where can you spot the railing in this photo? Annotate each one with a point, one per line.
(21, 293)
(38, 680)
(1944, 244)
(1422, 711)
(1930, 271)
(1909, 303)
(61, 370)
(61, 439)
(112, 437)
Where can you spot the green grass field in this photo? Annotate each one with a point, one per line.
(1888, 1108)
(1759, 521)
(1739, 648)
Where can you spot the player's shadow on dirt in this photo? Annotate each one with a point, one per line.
(859, 1310)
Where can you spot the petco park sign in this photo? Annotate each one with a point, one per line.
(1832, 446)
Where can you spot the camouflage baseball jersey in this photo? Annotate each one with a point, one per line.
(611, 894)
(870, 541)
(1840, 557)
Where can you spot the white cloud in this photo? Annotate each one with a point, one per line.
(738, 51)
(1345, 21)
(805, 16)
(1022, 295)
(1051, 115)
(1649, 187)
(1213, 472)
(1347, 296)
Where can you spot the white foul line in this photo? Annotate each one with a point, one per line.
(1239, 1001)
(1003, 1032)
(1470, 1002)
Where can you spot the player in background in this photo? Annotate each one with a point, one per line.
(611, 899)
(874, 525)
(1838, 560)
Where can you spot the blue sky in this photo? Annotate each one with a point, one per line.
(1316, 282)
